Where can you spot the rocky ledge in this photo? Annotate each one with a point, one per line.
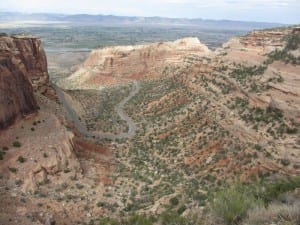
(106, 66)
(23, 69)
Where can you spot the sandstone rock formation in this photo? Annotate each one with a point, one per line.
(37, 153)
(16, 93)
(207, 120)
(106, 66)
(27, 53)
(280, 76)
(23, 69)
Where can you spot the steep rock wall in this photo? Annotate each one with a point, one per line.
(119, 64)
(23, 68)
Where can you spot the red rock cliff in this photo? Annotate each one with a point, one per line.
(23, 67)
(117, 64)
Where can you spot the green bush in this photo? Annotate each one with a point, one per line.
(257, 147)
(101, 204)
(134, 219)
(2, 153)
(19, 182)
(181, 209)
(276, 188)
(283, 55)
(17, 144)
(13, 170)
(21, 159)
(171, 218)
(293, 41)
(140, 220)
(108, 221)
(166, 218)
(290, 130)
(174, 201)
(231, 205)
(285, 162)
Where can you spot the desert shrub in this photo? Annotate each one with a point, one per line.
(172, 218)
(232, 204)
(283, 55)
(133, 219)
(79, 186)
(181, 209)
(67, 170)
(257, 147)
(108, 221)
(285, 162)
(17, 144)
(21, 159)
(274, 112)
(174, 201)
(242, 73)
(140, 220)
(290, 130)
(273, 190)
(13, 169)
(19, 182)
(286, 214)
(166, 218)
(44, 182)
(101, 204)
(293, 41)
(2, 153)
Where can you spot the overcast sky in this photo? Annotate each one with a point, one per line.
(284, 11)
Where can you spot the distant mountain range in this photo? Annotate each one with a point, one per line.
(125, 20)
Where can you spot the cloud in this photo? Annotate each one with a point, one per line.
(267, 10)
(247, 3)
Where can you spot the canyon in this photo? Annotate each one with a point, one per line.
(37, 144)
(147, 129)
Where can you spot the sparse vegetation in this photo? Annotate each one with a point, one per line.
(275, 213)
(166, 218)
(283, 55)
(234, 203)
(292, 43)
(198, 133)
(244, 73)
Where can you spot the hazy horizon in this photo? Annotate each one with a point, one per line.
(273, 11)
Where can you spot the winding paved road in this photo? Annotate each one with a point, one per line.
(72, 116)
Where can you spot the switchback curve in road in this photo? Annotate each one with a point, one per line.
(72, 116)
